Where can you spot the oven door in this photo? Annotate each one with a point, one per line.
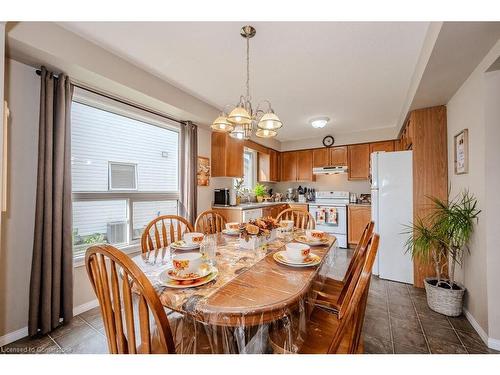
(338, 226)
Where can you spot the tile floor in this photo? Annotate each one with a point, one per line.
(397, 320)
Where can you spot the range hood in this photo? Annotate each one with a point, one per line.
(330, 170)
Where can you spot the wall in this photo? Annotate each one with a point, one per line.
(22, 94)
(466, 109)
(2, 72)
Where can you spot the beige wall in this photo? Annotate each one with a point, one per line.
(22, 93)
(466, 109)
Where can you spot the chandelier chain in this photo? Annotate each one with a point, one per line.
(248, 67)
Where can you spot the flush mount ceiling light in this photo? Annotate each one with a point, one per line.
(240, 122)
(319, 122)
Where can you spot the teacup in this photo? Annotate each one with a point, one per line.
(187, 263)
(193, 238)
(233, 226)
(286, 225)
(297, 251)
(315, 235)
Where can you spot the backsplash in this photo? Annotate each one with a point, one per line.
(327, 182)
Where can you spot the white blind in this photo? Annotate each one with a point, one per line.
(99, 137)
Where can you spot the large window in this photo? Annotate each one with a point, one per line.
(124, 172)
(249, 168)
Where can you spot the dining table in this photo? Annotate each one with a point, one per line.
(251, 293)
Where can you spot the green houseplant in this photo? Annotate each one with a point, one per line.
(442, 238)
(259, 190)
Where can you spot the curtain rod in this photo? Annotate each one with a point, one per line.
(123, 101)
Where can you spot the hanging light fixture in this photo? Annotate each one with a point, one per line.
(242, 119)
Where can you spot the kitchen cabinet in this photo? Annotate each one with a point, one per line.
(305, 166)
(263, 167)
(358, 161)
(386, 146)
(327, 157)
(299, 206)
(227, 156)
(289, 166)
(338, 156)
(357, 218)
(273, 211)
(274, 165)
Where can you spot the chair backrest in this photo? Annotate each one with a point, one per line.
(171, 229)
(350, 325)
(354, 272)
(302, 219)
(210, 222)
(360, 250)
(117, 282)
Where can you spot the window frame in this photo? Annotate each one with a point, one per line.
(130, 196)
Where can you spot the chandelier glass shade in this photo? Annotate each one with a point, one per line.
(242, 119)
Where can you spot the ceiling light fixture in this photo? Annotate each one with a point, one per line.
(319, 122)
(241, 120)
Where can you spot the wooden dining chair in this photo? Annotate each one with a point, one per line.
(333, 294)
(302, 219)
(117, 281)
(327, 333)
(162, 231)
(210, 222)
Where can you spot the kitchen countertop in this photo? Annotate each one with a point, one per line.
(360, 204)
(250, 206)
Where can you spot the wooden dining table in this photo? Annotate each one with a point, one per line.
(251, 290)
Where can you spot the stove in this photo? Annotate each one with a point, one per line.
(330, 211)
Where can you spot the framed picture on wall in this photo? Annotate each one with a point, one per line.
(462, 152)
(203, 174)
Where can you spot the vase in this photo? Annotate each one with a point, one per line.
(251, 242)
(444, 301)
(260, 199)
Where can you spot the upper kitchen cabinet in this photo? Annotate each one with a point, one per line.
(358, 161)
(289, 166)
(321, 157)
(387, 146)
(269, 166)
(328, 157)
(305, 166)
(227, 156)
(338, 156)
(275, 165)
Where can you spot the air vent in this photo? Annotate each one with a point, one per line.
(122, 176)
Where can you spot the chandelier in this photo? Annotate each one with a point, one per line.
(242, 119)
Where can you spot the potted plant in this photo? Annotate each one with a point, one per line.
(441, 237)
(259, 190)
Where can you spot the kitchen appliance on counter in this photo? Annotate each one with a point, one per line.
(392, 208)
(290, 195)
(330, 212)
(222, 197)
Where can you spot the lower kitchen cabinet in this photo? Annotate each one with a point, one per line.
(357, 218)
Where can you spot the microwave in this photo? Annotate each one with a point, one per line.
(221, 197)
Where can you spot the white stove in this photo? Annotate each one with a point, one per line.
(330, 212)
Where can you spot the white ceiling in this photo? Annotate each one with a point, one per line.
(356, 73)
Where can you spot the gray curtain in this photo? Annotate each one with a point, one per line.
(51, 284)
(188, 165)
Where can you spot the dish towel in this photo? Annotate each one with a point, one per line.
(332, 216)
(320, 216)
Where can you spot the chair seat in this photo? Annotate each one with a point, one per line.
(329, 294)
(320, 329)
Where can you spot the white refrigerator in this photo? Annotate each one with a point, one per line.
(392, 209)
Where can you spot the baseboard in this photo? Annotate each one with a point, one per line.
(13, 336)
(85, 307)
(23, 332)
(490, 342)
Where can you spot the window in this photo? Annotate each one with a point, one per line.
(249, 168)
(124, 171)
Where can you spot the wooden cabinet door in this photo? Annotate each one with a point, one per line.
(264, 167)
(321, 157)
(218, 162)
(305, 165)
(274, 166)
(234, 157)
(357, 218)
(289, 166)
(338, 156)
(387, 146)
(359, 161)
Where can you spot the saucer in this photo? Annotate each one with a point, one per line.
(182, 245)
(311, 260)
(231, 232)
(165, 280)
(203, 271)
(303, 239)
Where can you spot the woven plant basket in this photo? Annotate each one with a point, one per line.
(444, 301)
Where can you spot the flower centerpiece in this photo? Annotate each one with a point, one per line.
(258, 232)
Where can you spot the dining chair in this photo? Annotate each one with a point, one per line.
(332, 293)
(327, 333)
(302, 219)
(210, 222)
(117, 282)
(171, 229)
